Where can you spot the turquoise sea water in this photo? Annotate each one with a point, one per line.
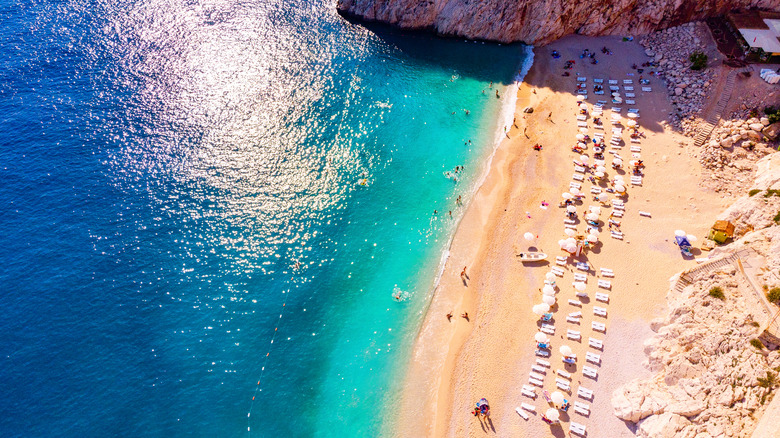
(178, 175)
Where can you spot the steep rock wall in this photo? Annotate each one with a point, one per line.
(541, 21)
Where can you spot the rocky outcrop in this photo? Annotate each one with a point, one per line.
(710, 381)
(540, 21)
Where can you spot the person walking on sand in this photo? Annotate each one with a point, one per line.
(465, 315)
(449, 316)
(463, 273)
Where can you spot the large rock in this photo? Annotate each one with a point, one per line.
(772, 131)
(758, 127)
(662, 426)
(539, 21)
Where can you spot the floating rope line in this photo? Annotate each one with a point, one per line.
(265, 362)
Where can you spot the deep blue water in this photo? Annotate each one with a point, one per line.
(177, 175)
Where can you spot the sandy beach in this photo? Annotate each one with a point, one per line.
(455, 363)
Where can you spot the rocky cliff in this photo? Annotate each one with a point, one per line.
(541, 21)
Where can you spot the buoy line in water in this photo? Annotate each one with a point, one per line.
(265, 362)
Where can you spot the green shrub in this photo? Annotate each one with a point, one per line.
(698, 60)
(753, 192)
(772, 113)
(773, 295)
(769, 193)
(756, 343)
(777, 217)
(769, 381)
(717, 292)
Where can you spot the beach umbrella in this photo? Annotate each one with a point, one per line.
(562, 243)
(552, 414)
(582, 144)
(550, 276)
(571, 241)
(680, 233)
(571, 209)
(548, 290)
(592, 217)
(631, 122)
(595, 209)
(584, 158)
(634, 162)
(548, 300)
(637, 155)
(580, 286)
(583, 106)
(580, 137)
(620, 189)
(540, 309)
(594, 231)
(584, 130)
(557, 397)
(569, 232)
(691, 238)
(601, 169)
(597, 150)
(603, 197)
(574, 191)
(565, 350)
(599, 174)
(618, 99)
(617, 162)
(540, 337)
(566, 195)
(592, 239)
(571, 248)
(529, 236)
(633, 115)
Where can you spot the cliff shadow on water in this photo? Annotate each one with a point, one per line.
(473, 60)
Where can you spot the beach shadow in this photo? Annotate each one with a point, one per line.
(492, 427)
(557, 431)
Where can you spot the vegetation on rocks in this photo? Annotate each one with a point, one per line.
(698, 60)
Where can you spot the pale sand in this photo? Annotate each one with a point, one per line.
(456, 363)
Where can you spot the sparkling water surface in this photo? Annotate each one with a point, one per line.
(177, 175)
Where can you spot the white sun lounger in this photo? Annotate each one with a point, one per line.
(628, 88)
(569, 222)
(605, 284)
(636, 180)
(543, 353)
(548, 326)
(581, 79)
(573, 335)
(645, 213)
(576, 185)
(593, 357)
(537, 376)
(582, 267)
(630, 102)
(616, 235)
(595, 343)
(595, 190)
(548, 331)
(581, 411)
(602, 102)
(563, 373)
(614, 88)
(563, 386)
(604, 271)
(557, 271)
(581, 117)
(577, 314)
(582, 294)
(617, 213)
(578, 177)
(529, 392)
(572, 320)
(535, 382)
(585, 393)
(618, 206)
(542, 362)
(630, 94)
(591, 372)
(598, 92)
(522, 413)
(539, 369)
(560, 261)
(613, 81)
(582, 405)
(573, 227)
(604, 298)
(579, 169)
(528, 407)
(581, 91)
(636, 149)
(577, 303)
(647, 89)
(616, 109)
(635, 140)
(600, 311)
(598, 326)
(628, 81)
(598, 81)
(577, 428)
(580, 277)
(582, 125)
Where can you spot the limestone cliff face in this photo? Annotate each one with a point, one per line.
(541, 21)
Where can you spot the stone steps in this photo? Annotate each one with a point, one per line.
(687, 277)
(705, 129)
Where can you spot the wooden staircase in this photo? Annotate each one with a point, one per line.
(705, 128)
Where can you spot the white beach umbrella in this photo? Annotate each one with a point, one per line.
(557, 397)
(595, 209)
(634, 162)
(603, 197)
(691, 238)
(565, 350)
(546, 299)
(592, 239)
(584, 130)
(574, 191)
(540, 309)
(580, 286)
(571, 209)
(598, 150)
(620, 189)
(637, 155)
(550, 276)
(571, 241)
(617, 162)
(583, 106)
(679, 233)
(592, 217)
(582, 144)
(618, 99)
(633, 115)
(599, 174)
(562, 243)
(571, 247)
(631, 123)
(601, 169)
(580, 137)
(548, 290)
(552, 414)
(569, 232)
(529, 236)
(584, 158)
(540, 337)
(566, 195)
(594, 231)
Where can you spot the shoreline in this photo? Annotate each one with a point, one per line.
(489, 356)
